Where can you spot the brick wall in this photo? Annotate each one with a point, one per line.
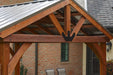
(49, 57)
(28, 60)
(8, 2)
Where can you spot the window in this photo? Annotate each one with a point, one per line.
(64, 52)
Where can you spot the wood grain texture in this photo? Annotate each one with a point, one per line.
(17, 68)
(35, 18)
(88, 17)
(103, 69)
(56, 23)
(67, 18)
(4, 57)
(52, 38)
(14, 61)
(78, 26)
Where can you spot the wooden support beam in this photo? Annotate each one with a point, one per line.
(32, 19)
(0, 69)
(88, 17)
(30, 30)
(78, 26)
(12, 52)
(56, 23)
(67, 19)
(52, 38)
(99, 48)
(45, 29)
(4, 57)
(17, 68)
(88, 26)
(100, 51)
(14, 61)
(93, 49)
(103, 69)
(75, 14)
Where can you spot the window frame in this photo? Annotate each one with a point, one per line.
(66, 53)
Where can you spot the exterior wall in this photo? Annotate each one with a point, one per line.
(110, 53)
(49, 57)
(8, 2)
(102, 10)
(28, 60)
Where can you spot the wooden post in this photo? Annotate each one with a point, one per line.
(17, 68)
(4, 57)
(103, 59)
(101, 55)
(67, 19)
(0, 69)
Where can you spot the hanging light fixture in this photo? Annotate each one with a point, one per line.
(108, 46)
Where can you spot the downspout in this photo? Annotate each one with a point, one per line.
(36, 58)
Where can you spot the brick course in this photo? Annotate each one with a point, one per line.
(49, 57)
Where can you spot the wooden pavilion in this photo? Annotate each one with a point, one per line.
(63, 21)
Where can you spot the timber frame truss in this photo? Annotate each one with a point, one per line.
(96, 43)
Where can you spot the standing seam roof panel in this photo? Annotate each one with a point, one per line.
(9, 15)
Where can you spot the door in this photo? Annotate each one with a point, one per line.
(93, 66)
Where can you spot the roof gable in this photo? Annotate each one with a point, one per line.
(52, 8)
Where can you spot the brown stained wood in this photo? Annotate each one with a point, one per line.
(45, 29)
(75, 14)
(14, 61)
(4, 57)
(88, 26)
(17, 68)
(88, 17)
(67, 19)
(56, 23)
(93, 49)
(78, 26)
(12, 52)
(0, 69)
(103, 59)
(32, 19)
(28, 29)
(52, 38)
(103, 45)
(100, 52)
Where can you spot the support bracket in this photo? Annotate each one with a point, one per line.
(68, 38)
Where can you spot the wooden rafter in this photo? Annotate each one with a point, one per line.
(45, 29)
(32, 19)
(14, 61)
(88, 17)
(88, 26)
(67, 19)
(52, 38)
(56, 23)
(30, 30)
(75, 14)
(78, 26)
